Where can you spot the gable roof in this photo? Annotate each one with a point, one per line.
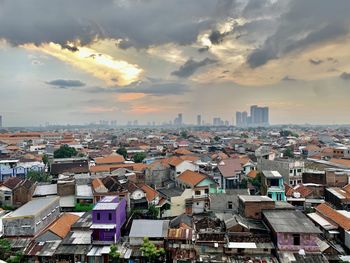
(62, 225)
(115, 158)
(191, 178)
(12, 182)
(175, 161)
(150, 192)
(229, 167)
(333, 215)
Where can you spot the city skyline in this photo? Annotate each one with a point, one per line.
(212, 58)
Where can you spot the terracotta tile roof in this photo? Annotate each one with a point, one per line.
(107, 168)
(116, 158)
(183, 151)
(252, 174)
(190, 158)
(344, 162)
(62, 225)
(333, 215)
(303, 190)
(288, 190)
(175, 161)
(150, 192)
(98, 185)
(347, 188)
(191, 178)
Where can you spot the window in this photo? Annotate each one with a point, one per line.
(197, 192)
(285, 236)
(229, 205)
(206, 191)
(98, 216)
(109, 216)
(296, 239)
(7, 198)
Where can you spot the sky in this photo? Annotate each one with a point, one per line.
(82, 61)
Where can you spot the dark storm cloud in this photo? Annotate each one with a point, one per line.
(152, 87)
(287, 78)
(142, 23)
(345, 76)
(304, 24)
(216, 37)
(315, 61)
(65, 83)
(191, 66)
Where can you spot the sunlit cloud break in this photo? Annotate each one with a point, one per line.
(102, 66)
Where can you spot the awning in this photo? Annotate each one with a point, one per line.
(241, 245)
(102, 226)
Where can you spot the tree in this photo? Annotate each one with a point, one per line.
(216, 138)
(288, 153)
(184, 134)
(153, 211)
(139, 157)
(5, 248)
(122, 151)
(243, 184)
(114, 254)
(256, 182)
(65, 152)
(36, 176)
(150, 251)
(45, 159)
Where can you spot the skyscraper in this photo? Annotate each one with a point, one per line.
(0, 121)
(199, 120)
(179, 116)
(239, 119)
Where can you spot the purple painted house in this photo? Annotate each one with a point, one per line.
(108, 216)
(292, 230)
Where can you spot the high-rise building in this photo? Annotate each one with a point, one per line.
(199, 120)
(244, 119)
(259, 116)
(178, 120)
(239, 119)
(0, 121)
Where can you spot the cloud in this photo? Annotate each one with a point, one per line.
(152, 88)
(345, 76)
(102, 66)
(216, 37)
(191, 66)
(142, 23)
(66, 83)
(304, 24)
(315, 61)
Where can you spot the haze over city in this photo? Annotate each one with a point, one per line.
(83, 61)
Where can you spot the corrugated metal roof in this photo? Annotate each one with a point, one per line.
(149, 228)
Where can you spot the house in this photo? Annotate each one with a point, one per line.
(291, 170)
(178, 165)
(31, 218)
(108, 216)
(23, 192)
(272, 185)
(251, 206)
(310, 150)
(230, 172)
(155, 230)
(58, 229)
(10, 168)
(201, 186)
(110, 160)
(226, 202)
(292, 230)
(338, 197)
(6, 191)
(69, 165)
(339, 219)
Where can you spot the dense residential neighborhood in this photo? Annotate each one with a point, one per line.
(191, 194)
